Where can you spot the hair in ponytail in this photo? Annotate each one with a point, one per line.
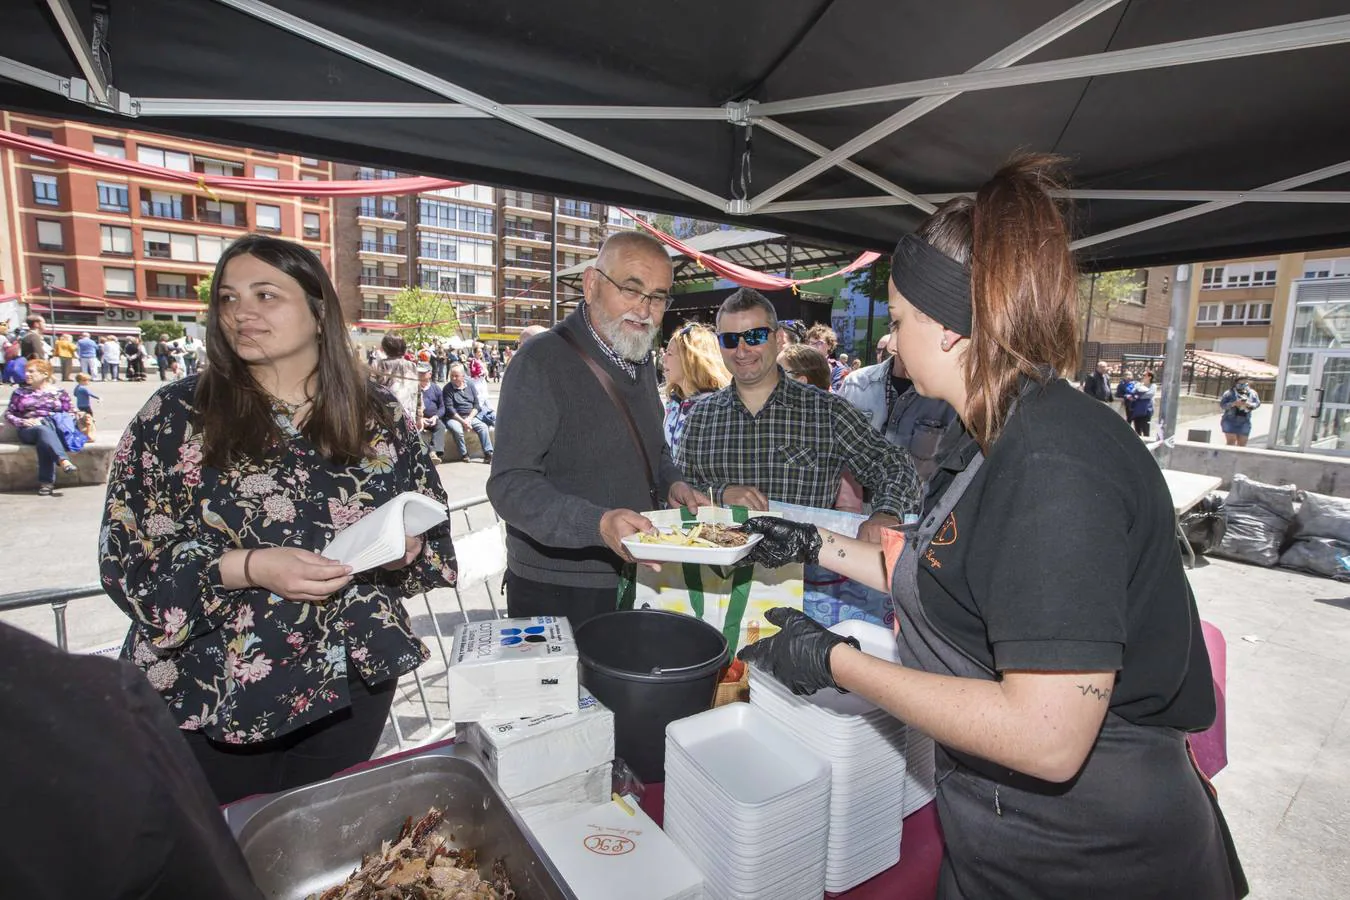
(1023, 285)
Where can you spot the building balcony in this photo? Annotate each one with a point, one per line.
(538, 295)
(379, 248)
(515, 232)
(382, 218)
(533, 265)
(588, 213)
(591, 245)
(174, 211)
(232, 217)
(375, 174)
(513, 200)
(383, 282)
(518, 322)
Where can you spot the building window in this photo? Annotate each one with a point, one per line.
(312, 226)
(157, 244)
(45, 191)
(110, 148)
(1246, 314)
(113, 197)
(219, 167)
(1326, 268)
(47, 137)
(1207, 314)
(165, 159)
(115, 239)
(49, 235)
(209, 248)
(163, 284)
(1212, 278)
(162, 205)
(1240, 275)
(452, 215)
(269, 217)
(308, 161)
(219, 213)
(119, 281)
(266, 173)
(55, 272)
(183, 247)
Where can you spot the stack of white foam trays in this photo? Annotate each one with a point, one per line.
(748, 805)
(867, 749)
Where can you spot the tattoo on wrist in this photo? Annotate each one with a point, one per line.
(1088, 690)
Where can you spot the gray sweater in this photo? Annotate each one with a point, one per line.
(564, 458)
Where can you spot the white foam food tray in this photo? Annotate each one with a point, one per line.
(748, 756)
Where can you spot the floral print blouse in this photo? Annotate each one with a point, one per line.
(26, 403)
(245, 666)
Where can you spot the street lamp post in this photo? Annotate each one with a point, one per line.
(51, 302)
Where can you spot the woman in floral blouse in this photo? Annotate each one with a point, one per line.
(279, 664)
(31, 407)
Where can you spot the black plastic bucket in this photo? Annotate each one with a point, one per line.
(650, 668)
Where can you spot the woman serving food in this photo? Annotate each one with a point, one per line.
(1050, 641)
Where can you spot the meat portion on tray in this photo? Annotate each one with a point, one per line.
(420, 864)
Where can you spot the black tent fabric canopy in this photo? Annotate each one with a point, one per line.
(1234, 113)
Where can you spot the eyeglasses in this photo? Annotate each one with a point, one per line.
(632, 294)
(753, 337)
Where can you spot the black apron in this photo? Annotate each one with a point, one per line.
(1137, 822)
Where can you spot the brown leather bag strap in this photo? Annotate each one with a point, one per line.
(612, 390)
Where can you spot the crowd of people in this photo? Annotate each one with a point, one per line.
(1050, 643)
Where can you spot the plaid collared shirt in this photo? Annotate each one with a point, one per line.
(794, 450)
(627, 365)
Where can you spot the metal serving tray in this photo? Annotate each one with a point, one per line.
(304, 841)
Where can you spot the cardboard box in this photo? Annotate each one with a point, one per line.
(525, 754)
(513, 668)
(615, 852)
(565, 798)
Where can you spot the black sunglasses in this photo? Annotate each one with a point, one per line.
(753, 337)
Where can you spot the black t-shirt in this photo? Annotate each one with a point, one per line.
(1062, 556)
(901, 385)
(102, 796)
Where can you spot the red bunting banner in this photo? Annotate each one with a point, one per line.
(227, 183)
(762, 281)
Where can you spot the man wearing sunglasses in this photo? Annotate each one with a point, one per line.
(567, 477)
(767, 437)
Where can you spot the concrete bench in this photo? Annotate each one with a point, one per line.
(18, 462)
(471, 441)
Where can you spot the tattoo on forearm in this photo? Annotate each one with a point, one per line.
(829, 539)
(1093, 691)
(841, 553)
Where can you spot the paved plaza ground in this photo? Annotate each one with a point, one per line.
(1286, 791)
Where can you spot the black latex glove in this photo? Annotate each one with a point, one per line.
(784, 541)
(799, 654)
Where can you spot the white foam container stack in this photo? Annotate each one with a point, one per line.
(748, 805)
(868, 752)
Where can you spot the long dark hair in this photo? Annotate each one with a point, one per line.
(1023, 285)
(235, 413)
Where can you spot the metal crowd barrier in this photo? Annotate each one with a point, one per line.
(481, 556)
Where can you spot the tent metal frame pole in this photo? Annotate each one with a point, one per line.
(34, 77)
(801, 140)
(1234, 45)
(1259, 196)
(84, 55)
(324, 109)
(1184, 214)
(1056, 28)
(413, 75)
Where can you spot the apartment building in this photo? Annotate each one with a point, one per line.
(483, 251)
(1140, 317)
(133, 248)
(1241, 305)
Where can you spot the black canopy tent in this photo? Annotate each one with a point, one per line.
(1198, 129)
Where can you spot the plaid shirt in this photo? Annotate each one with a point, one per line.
(627, 365)
(794, 450)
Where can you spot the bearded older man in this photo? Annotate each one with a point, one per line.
(568, 478)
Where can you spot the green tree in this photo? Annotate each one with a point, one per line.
(1102, 292)
(870, 282)
(204, 289)
(428, 314)
(150, 331)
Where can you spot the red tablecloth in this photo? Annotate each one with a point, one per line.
(915, 876)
